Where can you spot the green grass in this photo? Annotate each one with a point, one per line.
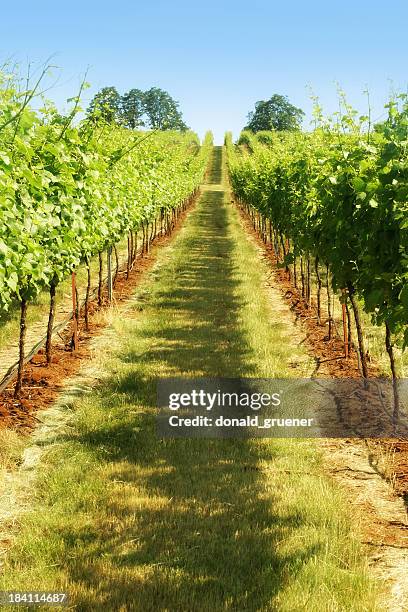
(11, 447)
(123, 520)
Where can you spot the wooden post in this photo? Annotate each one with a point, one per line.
(390, 351)
(308, 289)
(48, 343)
(360, 337)
(345, 330)
(302, 276)
(329, 311)
(23, 329)
(109, 269)
(74, 314)
(129, 258)
(117, 264)
(319, 289)
(100, 279)
(349, 338)
(88, 292)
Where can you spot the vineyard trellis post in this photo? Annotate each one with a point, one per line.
(48, 343)
(100, 278)
(109, 272)
(74, 313)
(360, 337)
(88, 291)
(116, 264)
(23, 330)
(390, 351)
(345, 324)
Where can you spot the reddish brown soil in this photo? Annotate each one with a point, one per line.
(42, 383)
(329, 356)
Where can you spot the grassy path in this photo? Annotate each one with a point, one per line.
(125, 521)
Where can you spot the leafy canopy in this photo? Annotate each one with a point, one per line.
(339, 193)
(70, 189)
(132, 108)
(162, 111)
(277, 113)
(106, 103)
(154, 108)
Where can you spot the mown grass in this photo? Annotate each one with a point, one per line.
(123, 520)
(11, 447)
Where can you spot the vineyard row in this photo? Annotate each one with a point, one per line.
(70, 192)
(337, 198)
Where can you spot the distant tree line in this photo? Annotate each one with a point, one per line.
(153, 109)
(277, 113)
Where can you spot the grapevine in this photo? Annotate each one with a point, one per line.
(338, 196)
(68, 193)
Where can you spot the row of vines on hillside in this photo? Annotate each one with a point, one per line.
(70, 192)
(337, 198)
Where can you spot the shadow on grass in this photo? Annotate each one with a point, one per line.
(204, 531)
(207, 539)
(198, 304)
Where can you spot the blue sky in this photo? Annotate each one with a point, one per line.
(219, 57)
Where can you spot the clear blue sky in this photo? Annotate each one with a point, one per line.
(217, 57)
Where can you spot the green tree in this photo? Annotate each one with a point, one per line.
(107, 103)
(132, 108)
(162, 111)
(277, 113)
